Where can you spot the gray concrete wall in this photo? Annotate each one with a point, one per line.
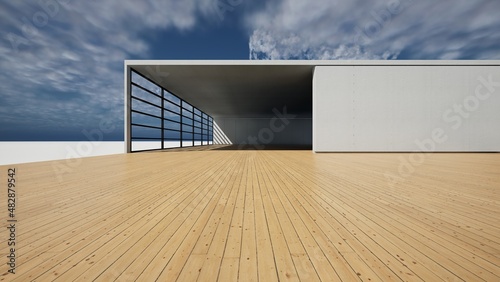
(406, 108)
(266, 131)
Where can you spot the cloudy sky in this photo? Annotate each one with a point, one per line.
(62, 60)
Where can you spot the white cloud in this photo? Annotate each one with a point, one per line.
(379, 29)
(77, 50)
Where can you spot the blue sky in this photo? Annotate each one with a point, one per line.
(62, 60)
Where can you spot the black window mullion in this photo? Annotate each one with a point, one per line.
(204, 124)
(147, 90)
(206, 127)
(148, 79)
(144, 101)
(171, 120)
(168, 110)
(148, 126)
(192, 129)
(129, 108)
(212, 130)
(182, 132)
(143, 113)
(171, 102)
(168, 129)
(162, 121)
(145, 138)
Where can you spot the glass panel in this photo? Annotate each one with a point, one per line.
(145, 132)
(172, 125)
(146, 120)
(143, 107)
(178, 115)
(138, 79)
(171, 116)
(171, 98)
(138, 145)
(144, 95)
(187, 106)
(171, 144)
(187, 113)
(172, 107)
(172, 135)
(186, 120)
(187, 128)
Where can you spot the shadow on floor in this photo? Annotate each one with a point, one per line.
(265, 147)
(240, 147)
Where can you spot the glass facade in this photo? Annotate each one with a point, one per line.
(161, 120)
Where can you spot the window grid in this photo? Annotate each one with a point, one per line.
(189, 117)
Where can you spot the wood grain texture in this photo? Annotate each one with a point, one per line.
(228, 215)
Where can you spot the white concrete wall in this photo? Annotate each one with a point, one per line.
(266, 131)
(406, 108)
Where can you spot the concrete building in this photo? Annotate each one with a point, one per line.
(326, 106)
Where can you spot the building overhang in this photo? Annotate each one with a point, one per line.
(246, 88)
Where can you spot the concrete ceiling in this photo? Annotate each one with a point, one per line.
(238, 90)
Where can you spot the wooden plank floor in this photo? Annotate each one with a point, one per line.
(256, 216)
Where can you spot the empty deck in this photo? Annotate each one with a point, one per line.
(256, 216)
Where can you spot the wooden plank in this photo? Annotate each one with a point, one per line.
(192, 268)
(248, 257)
(257, 216)
(266, 267)
(284, 263)
(212, 265)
